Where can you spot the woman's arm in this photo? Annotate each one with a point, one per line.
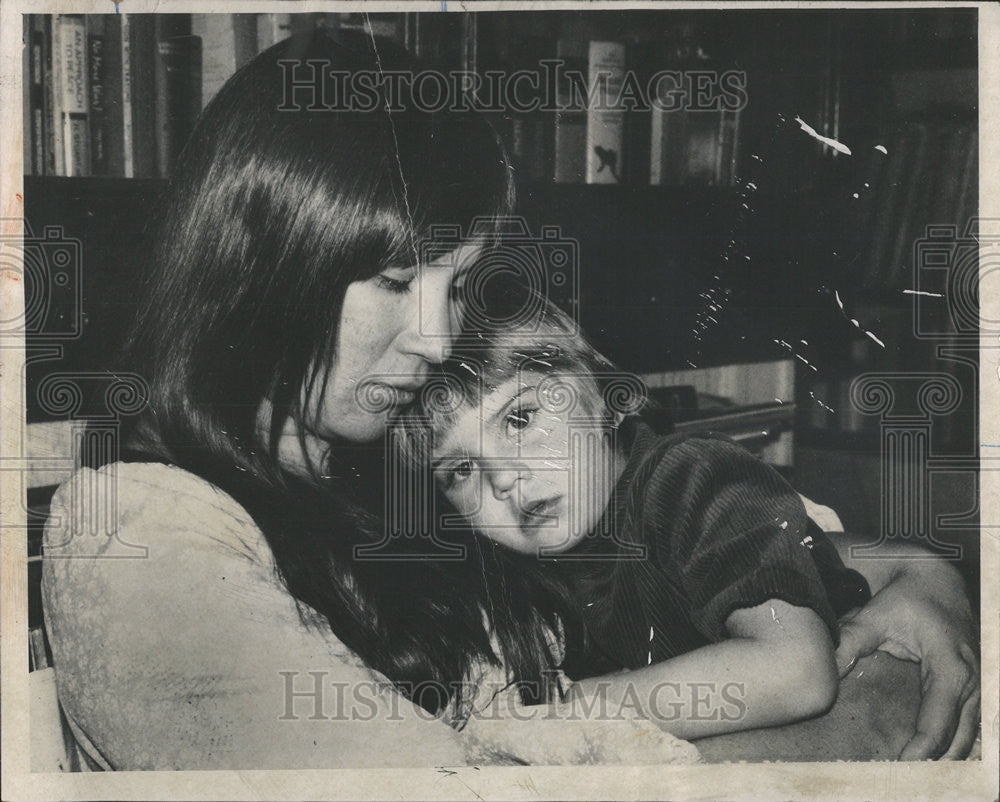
(777, 667)
(194, 655)
(919, 612)
(873, 718)
(887, 707)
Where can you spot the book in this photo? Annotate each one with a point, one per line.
(35, 79)
(528, 133)
(570, 145)
(26, 94)
(637, 141)
(689, 143)
(178, 87)
(946, 202)
(56, 156)
(228, 41)
(38, 658)
(605, 118)
(71, 69)
(107, 123)
(386, 26)
(668, 138)
(271, 29)
(702, 148)
(138, 102)
(888, 196)
(729, 142)
(96, 88)
(908, 214)
(968, 196)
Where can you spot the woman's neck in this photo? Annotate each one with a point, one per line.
(299, 452)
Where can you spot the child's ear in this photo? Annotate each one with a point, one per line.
(616, 419)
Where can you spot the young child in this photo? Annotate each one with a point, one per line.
(693, 564)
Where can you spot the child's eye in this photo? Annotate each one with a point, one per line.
(456, 473)
(519, 419)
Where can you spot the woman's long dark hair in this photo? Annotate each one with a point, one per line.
(275, 207)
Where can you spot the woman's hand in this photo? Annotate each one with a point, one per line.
(922, 614)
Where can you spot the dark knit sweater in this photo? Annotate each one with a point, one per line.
(698, 527)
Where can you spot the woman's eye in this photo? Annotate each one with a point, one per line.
(519, 419)
(463, 470)
(396, 280)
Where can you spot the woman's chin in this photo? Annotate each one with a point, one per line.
(359, 427)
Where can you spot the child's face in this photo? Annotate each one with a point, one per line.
(523, 475)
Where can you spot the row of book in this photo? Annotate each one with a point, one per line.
(930, 177)
(658, 137)
(118, 94)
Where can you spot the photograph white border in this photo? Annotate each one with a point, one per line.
(937, 780)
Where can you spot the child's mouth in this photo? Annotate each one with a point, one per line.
(539, 513)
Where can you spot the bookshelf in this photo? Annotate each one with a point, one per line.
(654, 248)
(743, 250)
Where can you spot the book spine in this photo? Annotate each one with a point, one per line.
(128, 133)
(178, 94)
(271, 29)
(54, 99)
(218, 47)
(968, 203)
(729, 140)
(638, 126)
(75, 117)
(668, 137)
(26, 149)
(96, 92)
(169, 30)
(945, 201)
(704, 150)
(898, 263)
(887, 204)
(142, 69)
(112, 124)
(37, 653)
(605, 121)
(244, 38)
(570, 147)
(36, 94)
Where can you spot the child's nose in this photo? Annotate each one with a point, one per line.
(502, 479)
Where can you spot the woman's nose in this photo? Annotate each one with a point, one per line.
(430, 332)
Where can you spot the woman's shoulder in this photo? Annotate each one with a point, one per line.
(126, 508)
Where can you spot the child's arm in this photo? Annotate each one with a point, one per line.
(777, 667)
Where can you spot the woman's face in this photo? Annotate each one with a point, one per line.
(393, 327)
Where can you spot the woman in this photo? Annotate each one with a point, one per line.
(287, 289)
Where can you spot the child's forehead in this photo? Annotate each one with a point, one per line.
(462, 428)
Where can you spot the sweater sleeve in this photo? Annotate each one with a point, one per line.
(176, 646)
(729, 531)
